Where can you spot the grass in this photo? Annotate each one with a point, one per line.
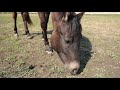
(101, 37)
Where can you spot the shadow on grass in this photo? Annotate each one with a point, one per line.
(37, 34)
(85, 53)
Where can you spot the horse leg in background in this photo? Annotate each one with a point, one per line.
(15, 24)
(44, 17)
(24, 17)
(43, 23)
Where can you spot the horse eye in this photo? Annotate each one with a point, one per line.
(68, 40)
(61, 33)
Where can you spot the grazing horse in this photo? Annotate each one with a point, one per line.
(26, 20)
(65, 38)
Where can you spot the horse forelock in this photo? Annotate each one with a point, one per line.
(66, 16)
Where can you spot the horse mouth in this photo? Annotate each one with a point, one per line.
(73, 67)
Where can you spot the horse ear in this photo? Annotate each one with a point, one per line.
(79, 15)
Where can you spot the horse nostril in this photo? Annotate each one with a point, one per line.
(74, 71)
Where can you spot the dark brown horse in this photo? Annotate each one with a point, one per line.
(66, 36)
(65, 39)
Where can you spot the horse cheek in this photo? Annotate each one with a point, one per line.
(55, 42)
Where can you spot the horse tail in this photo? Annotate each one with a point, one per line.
(28, 19)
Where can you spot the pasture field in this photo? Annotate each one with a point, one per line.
(26, 58)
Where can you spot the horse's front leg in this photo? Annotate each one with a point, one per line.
(15, 24)
(43, 23)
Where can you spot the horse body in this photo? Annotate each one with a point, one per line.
(66, 36)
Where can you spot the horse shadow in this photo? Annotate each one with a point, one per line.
(85, 52)
(40, 33)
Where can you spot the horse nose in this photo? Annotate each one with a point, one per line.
(74, 71)
(68, 40)
(73, 67)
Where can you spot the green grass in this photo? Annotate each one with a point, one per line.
(101, 37)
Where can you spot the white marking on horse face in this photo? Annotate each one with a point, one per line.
(77, 12)
(72, 65)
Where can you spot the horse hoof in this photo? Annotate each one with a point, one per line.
(29, 36)
(42, 39)
(16, 35)
(49, 52)
(48, 49)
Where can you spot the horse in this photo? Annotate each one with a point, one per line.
(65, 38)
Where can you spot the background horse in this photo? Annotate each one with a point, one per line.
(26, 20)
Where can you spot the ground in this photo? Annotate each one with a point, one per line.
(26, 58)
